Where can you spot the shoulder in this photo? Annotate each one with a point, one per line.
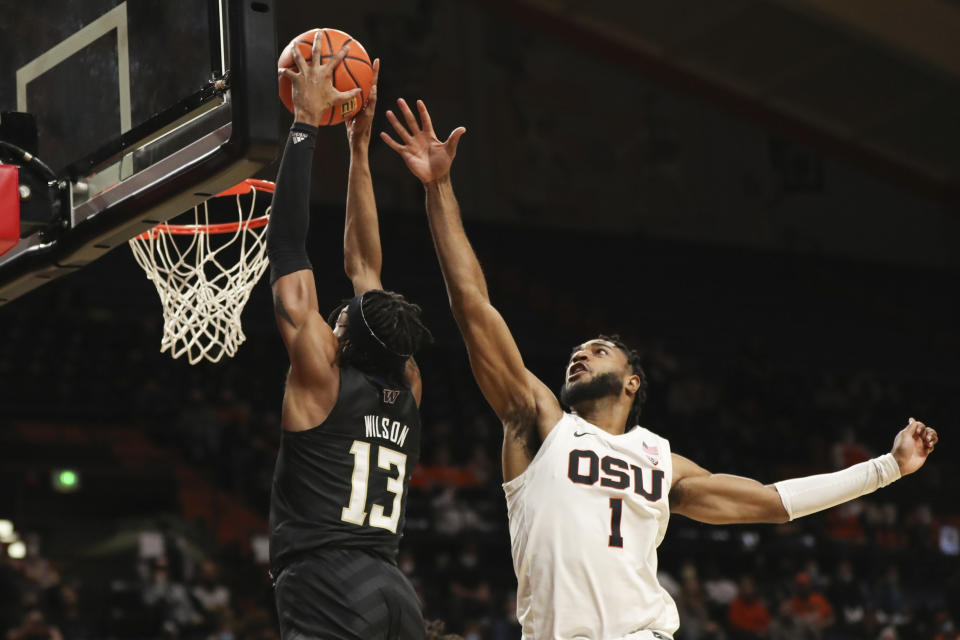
(651, 436)
(547, 411)
(314, 345)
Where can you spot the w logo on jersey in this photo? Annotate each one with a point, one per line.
(390, 395)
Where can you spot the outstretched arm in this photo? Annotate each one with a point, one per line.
(362, 253)
(362, 256)
(520, 400)
(291, 275)
(313, 383)
(726, 499)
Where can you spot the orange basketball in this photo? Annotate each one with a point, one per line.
(356, 70)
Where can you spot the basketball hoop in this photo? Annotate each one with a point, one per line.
(202, 298)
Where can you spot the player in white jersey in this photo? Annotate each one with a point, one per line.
(589, 492)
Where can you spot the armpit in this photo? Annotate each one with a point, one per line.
(520, 428)
(677, 495)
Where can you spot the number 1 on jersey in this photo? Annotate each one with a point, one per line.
(386, 458)
(616, 511)
(353, 512)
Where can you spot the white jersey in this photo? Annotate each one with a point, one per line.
(586, 518)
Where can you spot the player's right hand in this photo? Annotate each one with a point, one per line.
(312, 83)
(425, 155)
(358, 127)
(912, 446)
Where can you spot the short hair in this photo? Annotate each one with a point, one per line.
(396, 328)
(633, 361)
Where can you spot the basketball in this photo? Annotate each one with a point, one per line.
(356, 70)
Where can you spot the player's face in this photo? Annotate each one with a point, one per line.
(340, 328)
(593, 359)
(597, 369)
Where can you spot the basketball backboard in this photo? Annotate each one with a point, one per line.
(143, 108)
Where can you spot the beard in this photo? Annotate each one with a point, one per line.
(601, 386)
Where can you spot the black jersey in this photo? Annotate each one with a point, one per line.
(343, 484)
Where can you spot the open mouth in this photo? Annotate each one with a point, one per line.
(576, 369)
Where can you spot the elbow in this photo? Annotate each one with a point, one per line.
(777, 510)
(779, 518)
(359, 270)
(352, 266)
(464, 298)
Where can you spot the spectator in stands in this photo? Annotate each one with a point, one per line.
(696, 623)
(441, 472)
(480, 468)
(889, 633)
(749, 617)
(169, 602)
(849, 597)
(847, 451)
(72, 620)
(506, 626)
(469, 585)
(809, 605)
(210, 594)
(225, 627)
(787, 626)
(888, 593)
(34, 627)
(947, 630)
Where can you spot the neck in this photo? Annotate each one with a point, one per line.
(606, 413)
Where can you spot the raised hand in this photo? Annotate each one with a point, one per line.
(912, 446)
(426, 156)
(358, 127)
(312, 84)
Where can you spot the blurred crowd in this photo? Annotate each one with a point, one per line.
(884, 567)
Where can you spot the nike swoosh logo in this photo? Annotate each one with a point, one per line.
(577, 434)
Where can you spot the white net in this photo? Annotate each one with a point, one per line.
(204, 274)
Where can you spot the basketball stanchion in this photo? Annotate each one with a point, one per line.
(204, 271)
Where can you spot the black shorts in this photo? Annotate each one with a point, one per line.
(346, 594)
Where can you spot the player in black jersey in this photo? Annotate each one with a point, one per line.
(351, 424)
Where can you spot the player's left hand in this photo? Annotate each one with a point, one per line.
(426, 156)
(912, 446)
(359, 126)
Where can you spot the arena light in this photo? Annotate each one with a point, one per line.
(17, 550)
(65, 480)
(6, 532)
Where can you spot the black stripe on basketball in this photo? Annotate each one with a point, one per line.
(346, 68)
(309, 43)
(366, 62)
(329, 42)
(347, 57)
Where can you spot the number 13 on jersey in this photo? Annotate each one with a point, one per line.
(386, 458)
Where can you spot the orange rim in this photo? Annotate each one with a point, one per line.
(247, 186)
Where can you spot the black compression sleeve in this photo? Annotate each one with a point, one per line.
(290, 211)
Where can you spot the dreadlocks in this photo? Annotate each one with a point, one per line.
(383, 332)
(633, 361)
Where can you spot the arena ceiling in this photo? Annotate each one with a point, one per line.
(875, 81)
